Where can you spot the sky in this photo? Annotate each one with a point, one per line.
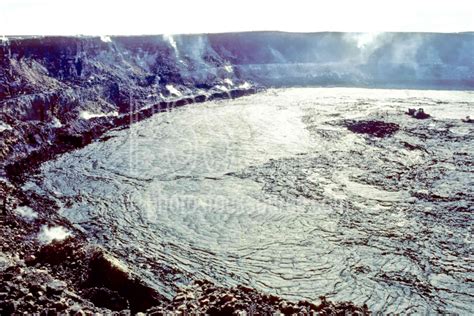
(136, 17)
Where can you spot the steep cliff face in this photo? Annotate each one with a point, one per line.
(47, 78)
(73, 85)
(64, 82)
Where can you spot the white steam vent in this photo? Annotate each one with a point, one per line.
(48, 234)
(366, 39)
(4, 127)
(105, 39)
(245, 85)
(26, 212)
(86, 115)
(56, 123)
(173, 90)
(172, 42)
(222, 88)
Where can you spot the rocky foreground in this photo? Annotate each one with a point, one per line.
(76, 278)
(72, 276)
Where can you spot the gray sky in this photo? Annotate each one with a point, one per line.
(132, 17)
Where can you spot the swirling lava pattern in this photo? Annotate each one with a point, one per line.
(273, 191)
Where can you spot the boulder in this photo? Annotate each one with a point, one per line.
(418, 114)
(56, 286)
(468, 119)
(108, 272)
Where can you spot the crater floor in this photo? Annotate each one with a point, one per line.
(275, 192)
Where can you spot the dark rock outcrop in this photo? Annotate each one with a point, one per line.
(419, 114)
(71, 277)
(373, 128)
(107, 272)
